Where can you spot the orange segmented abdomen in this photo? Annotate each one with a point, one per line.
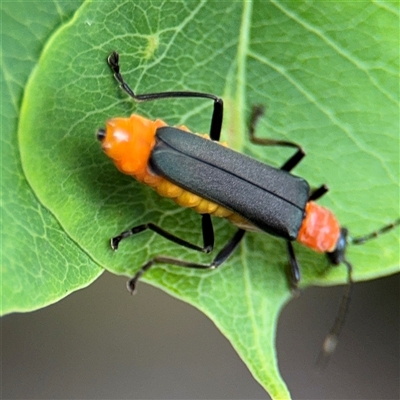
(320, 229)
(190, 200)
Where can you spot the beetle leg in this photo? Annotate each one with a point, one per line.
(294, 160)
(256, 114)
(294, 267)
(318, 193)
(207, 229)
(208, 233)
(217, 116)
(221, 257)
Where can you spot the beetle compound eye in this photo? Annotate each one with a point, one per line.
(101, 134)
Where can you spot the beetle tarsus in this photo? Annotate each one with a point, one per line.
(113, 61)
(114, 242)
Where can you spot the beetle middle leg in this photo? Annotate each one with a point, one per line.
(206, 227)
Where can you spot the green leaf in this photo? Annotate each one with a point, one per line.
(327, 73)
(40, 264)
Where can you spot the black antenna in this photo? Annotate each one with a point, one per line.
(337, 257)
(332, 338)
(373, 235)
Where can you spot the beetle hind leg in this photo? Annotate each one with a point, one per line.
(221, 257)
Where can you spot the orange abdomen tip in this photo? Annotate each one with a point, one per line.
(320, 229)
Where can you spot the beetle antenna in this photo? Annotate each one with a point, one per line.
(373, 235)
(331, 339)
